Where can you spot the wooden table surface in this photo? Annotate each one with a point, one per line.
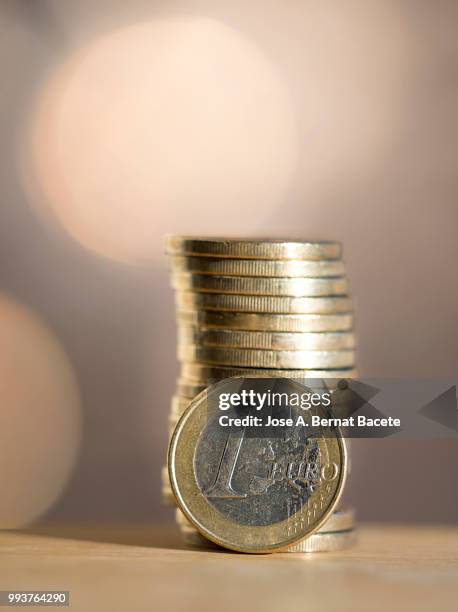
(146, 568)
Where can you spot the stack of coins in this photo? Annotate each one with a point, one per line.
(258, 308)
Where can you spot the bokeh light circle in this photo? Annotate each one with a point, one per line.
(40, 417)
(173, 125)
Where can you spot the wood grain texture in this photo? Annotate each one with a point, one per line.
(147, 568)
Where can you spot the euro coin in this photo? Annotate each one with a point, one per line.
(254, 494)
(275, 341)
(258, 267)
(181, 403)
(342, 520)
(303, 323)
(260, 303)
(252, 249)
(248, 285)
(201, 372)
(267, 359)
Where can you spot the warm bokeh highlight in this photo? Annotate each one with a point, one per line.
(39, 418)
(170, 124)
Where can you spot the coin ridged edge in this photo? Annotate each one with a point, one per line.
(264, 303)
(259, 358)
(264, 321)
(252, 249)
(249, 285)
(264, 268)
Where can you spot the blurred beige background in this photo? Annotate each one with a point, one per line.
(119, 123)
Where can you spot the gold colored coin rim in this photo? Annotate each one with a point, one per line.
(253, 285)
(266, 304)
(240, 248)
(260, 358)
(261, 340)
(226, 533)
(325, 542)
(321, 541)
(199, 372)
(265, 321)
(263, 268)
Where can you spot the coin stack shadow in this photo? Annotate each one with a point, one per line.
(262, 308)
